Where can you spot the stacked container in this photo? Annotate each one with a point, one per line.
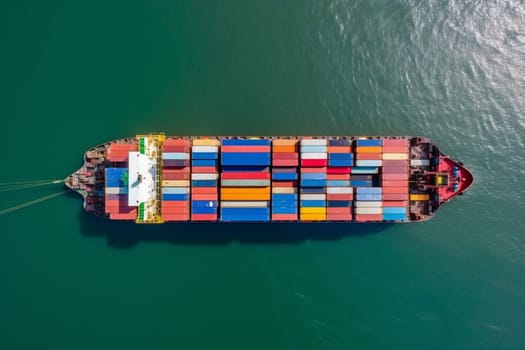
(394, 179)
(339, 193)
(204, 180)
(245, 179)
(116, 196)
(368, 204)
(314, 161)
(368, 153)
(119, 152)
(175, 205)
(285, 160)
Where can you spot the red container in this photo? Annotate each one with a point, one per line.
(396, 163)
(176, 149)
(400, 189)
(204, 217)
(284, 217)
(185, 170)
(339, 210)
(165, 211)
(176, 142)
(339, 197)
(393, 149)
(204, 190)
(175, 204)
(123, 146)
(247, 175)
(314, 162)
(204, 197)
(393, 183)
(204, 170)
(314, 170)
(176, 217)
(285, 162)
(368, 217)
(369, 156)
(123, 216)
(180, 176)
(339, 217)
(395, 142)
(395, 203)
(395, 196)
(247, 149)
(288, 156)
(395, 176)
(394, 170)
(338, 176)
(338, 170)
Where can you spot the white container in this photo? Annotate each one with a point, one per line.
(368, 162)
(365, 210)
(204, 176)
(368, 204)
(116, 190)
(313, 197)
(205, 149)
(284, 190)
(314, 142)
(420, 162)
(311, 155)
(395, 156)
(339, 190)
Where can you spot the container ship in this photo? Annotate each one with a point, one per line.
(157, 179)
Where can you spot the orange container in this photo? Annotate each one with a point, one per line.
(338, 176)
(284, 217)
(339, 149)
(339, 217)
(395, 203)
(204, 197)
(166, 211)
(395, 176)
(177, 142)
(175, 176)
(369, 156)
(391, 149)
(245, 190)
(313, 169)
(395, 196)
(284, 142)
(400, 189)
(339, 210)
(245, 196)
(204, 170)
(284, 183)
(369, 149)
(176, 217)
(123, 216)
(284, 149)
(393, 183)
(175, 204)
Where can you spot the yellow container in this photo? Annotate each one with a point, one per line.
(419, 197)
(206, 142)
(395, 156)
(369, 149)
(313, 210)
(313, 217)
(176, 183)
(245, 197)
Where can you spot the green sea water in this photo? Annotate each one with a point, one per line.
(74, 74)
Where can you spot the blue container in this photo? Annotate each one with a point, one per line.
(313, 176)
(341, 142)
(364, 170)
(175, 197)
(312, 190)
(207, 204)
(244, 142)
(310, 204)
(284, 197)
(339, 204)
(284, 210)
(395, 210)
(203, 210)
(338, 183)
(244, 218)
(313, 183)
(205, 155)
(369, 197)
(204, 183)
(113, 182)
(284, 176)
(340, 156)
(345, 163)
(394, 216)
(378, 190)
(361, 183)
(245, 211)
(204, 162)
(254, 158)
(372, 142)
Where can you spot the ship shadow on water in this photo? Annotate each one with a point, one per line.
(127, 234)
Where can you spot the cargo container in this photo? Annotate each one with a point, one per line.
(154, 179)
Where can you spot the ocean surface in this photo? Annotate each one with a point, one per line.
(74, 74)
